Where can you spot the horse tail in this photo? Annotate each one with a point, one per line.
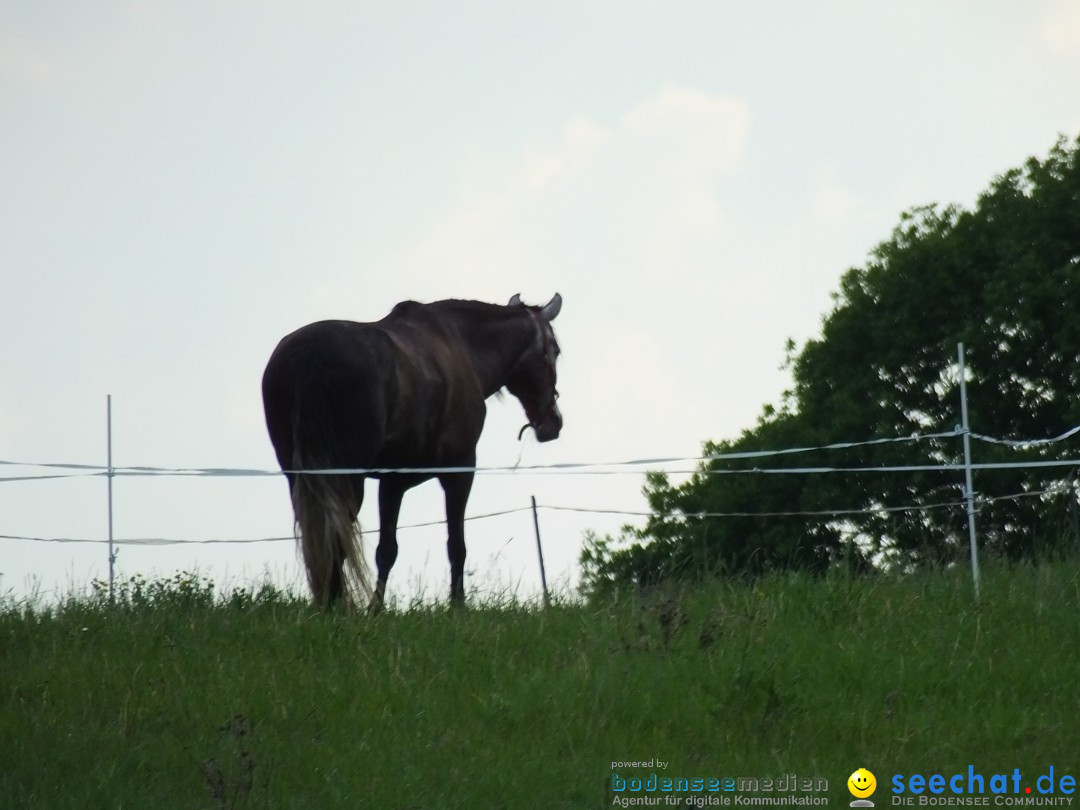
(327, 528)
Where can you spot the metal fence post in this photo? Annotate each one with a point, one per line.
(109, 478)
(969, 491)
(540, 552)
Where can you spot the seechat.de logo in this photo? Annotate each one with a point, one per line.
(977, 789)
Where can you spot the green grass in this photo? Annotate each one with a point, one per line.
(172, 697)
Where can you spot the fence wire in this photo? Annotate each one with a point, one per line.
(634, 467)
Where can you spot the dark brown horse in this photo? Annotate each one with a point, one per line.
(403, 393)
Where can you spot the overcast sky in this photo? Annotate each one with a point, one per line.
(183, 183)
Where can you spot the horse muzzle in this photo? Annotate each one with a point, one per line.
(546, 429)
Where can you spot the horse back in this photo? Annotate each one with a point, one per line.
(396, 392)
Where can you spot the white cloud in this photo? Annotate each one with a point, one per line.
(693, 130)
(681, 143)
(647, 186)
(112, 54)
(1060, 28)
(27, 62)
(579, 142)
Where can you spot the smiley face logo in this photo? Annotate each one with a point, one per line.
(862, 783)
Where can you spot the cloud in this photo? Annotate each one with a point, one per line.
(1060, 28)
(580, 140)
(692, 130)
(640, 195)
(26, 62)
(98, 63)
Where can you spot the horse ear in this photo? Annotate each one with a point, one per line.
(515, 300)
(552, 307)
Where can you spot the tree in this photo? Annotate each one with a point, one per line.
(1004, 279)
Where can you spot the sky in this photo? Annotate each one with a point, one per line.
(184, 183)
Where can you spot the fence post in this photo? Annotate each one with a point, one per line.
(109, 478)
(540, 553)
(969, 491)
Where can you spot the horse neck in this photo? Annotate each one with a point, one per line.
(496, 340)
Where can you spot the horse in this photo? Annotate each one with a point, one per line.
(402, 400)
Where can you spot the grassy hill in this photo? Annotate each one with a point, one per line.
(175, 697)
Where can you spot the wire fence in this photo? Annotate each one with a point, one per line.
(51, 471)
(707, 464)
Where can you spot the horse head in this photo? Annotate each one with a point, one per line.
(533, 378)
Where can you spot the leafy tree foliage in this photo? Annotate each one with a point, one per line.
(1004, 279)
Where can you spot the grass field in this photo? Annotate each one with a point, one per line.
(175, 697)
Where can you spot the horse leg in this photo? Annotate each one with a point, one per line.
(456, 487)
(391, 490)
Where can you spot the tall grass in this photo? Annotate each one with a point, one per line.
(175, 696)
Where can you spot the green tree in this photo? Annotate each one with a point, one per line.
(1004, 279)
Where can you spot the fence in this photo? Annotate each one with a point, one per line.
(692, 464)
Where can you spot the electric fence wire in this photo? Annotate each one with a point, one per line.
(626, 467)
(828, 513)
(89, 470)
